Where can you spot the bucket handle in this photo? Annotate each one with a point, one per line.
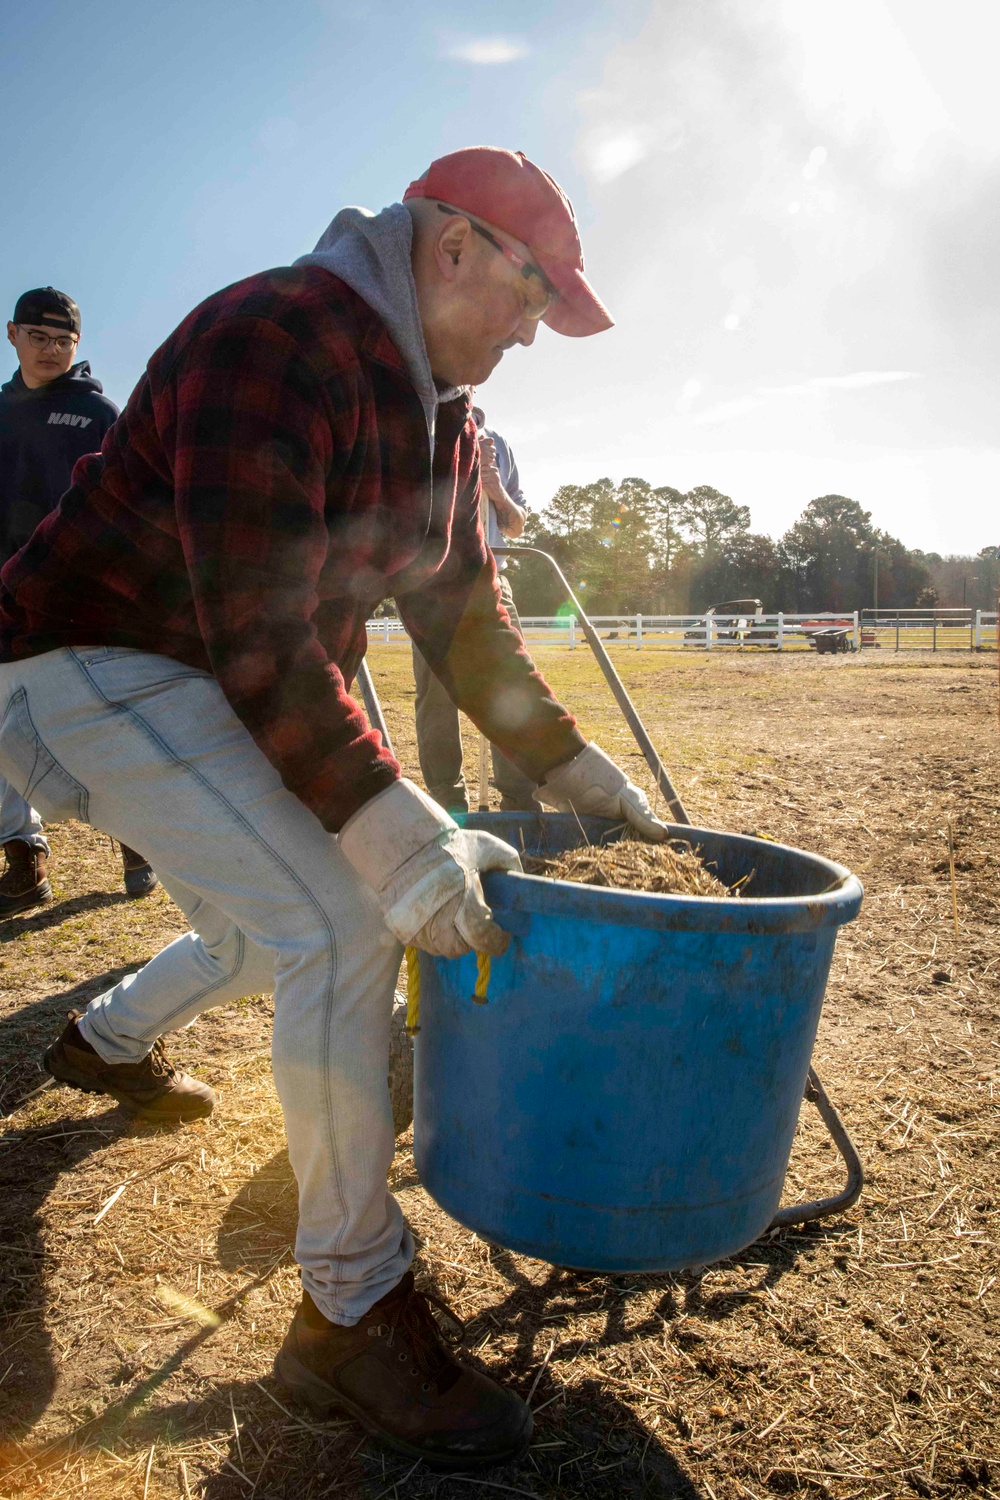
(822, 1208)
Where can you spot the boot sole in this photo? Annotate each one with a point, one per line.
(37, 897)
(320, 1397)
(86, 1085)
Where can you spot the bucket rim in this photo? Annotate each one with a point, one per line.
(833, 906)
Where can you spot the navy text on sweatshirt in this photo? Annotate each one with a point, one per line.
(42, 434)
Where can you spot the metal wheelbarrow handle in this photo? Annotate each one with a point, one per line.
(674, 804)
(373, 707)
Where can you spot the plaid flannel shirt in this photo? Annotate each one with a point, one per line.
(268, 484)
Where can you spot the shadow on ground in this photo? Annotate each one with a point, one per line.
(260, 1221)
(30, 1163)
(40, 919)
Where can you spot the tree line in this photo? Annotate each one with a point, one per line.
(631, 548)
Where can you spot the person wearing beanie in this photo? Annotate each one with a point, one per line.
(52, 412)
(177, 644)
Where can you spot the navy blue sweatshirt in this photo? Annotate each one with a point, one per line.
(42, 434)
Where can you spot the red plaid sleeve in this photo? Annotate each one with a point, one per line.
(253, 453)
(465, 634)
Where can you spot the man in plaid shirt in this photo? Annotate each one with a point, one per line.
(177, 640)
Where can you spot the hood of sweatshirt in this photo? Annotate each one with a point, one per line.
(76, 378)
(371, 252)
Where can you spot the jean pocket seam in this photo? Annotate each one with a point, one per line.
(18, 715)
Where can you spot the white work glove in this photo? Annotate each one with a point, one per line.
(424, 871)
(592, 785)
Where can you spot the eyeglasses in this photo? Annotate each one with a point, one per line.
(537, 291)
(64, 342)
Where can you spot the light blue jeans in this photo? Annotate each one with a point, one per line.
(150, 751)
(18, 819)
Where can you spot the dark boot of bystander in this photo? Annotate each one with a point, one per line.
(25, 881)
(138, 874)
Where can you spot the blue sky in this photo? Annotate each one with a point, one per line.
(793, 211)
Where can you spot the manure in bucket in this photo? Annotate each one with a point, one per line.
(674, 868)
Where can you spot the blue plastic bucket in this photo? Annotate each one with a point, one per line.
(627, 1098)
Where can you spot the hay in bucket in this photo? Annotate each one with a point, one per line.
(674, 868)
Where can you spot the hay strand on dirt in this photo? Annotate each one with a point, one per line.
(951, 867)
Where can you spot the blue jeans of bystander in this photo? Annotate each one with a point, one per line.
(18, 819)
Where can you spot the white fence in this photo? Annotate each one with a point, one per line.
(778, 632)
(933, 630)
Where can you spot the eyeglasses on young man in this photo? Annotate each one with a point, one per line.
(64, 342)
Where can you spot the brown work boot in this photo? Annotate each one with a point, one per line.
(25, 882)
(151, 1088)
(394, 1372)
(137, 872)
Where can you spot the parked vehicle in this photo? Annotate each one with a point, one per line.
(732, 623)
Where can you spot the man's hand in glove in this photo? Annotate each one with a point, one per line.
(424, 871)
(591, 784)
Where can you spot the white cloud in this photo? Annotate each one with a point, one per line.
(859, 381)
(620, 136)
(740, 406)
(817, 158)
(726, 411)
(690, 391)
(488, 51)
(613, 155)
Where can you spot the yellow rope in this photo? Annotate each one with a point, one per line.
(412, 991)
(480, 994)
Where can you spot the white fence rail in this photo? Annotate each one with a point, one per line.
(933, 630)
(777, 632)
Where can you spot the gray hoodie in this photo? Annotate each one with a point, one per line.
(371, 252)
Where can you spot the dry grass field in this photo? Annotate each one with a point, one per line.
(146, 1277)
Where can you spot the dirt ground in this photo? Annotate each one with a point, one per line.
(146, 1277)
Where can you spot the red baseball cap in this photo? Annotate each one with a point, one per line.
(510, 192)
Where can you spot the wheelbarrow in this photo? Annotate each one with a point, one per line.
(639, 1062)
(834, 639)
